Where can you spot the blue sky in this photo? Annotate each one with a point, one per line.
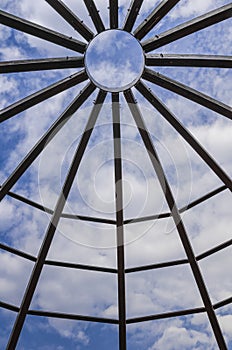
(23, 227)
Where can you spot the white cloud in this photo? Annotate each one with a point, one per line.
(14, 275)
(226, 325)
(187, 8)
(83, 338)
(8, 86)
(175, 338)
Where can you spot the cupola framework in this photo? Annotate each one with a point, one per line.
(145, 31)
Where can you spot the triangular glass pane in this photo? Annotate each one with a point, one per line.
(92, 192)
(141, 188)
(188, 174)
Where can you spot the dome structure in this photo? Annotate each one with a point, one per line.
(115, 175)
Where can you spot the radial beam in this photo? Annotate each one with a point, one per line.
(41, 64)
(113, 7)
(41, 32)
(42, 95)
(119, 220)
(188, 28)
(156, 15)
(187, 92)
(94, 14)
(176, 217)
(35, 275)
(71, 18)
(132, 14)
(208, 61)
(46, 139)
(179, 127)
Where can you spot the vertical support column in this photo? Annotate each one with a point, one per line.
(119, 221)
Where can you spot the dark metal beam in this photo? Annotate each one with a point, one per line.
(203, 198)
(88, 218)
(155, 17)
(79, 266)
(41, 32)
(182, 210)
(188, 28)
(71, 317)
(119, 220)
(42, 95)
(176, 217)
(71, 18)
(223, 303)
(46, 139)
(166, 315)
(17, 252)
(94, 14)
(30, 202)
(147, 218)
(132, 14)
(113, 7)
(187, 92)
(64, 215)
(41, 64)
(9, 307)
(157, 266)
(208, 61)
(189, 138)
(214, 250)
(35, 275)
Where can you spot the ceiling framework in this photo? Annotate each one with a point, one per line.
(151, 60)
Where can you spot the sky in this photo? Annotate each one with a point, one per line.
(208, 224)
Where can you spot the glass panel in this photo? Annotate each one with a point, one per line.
(42, 333)
(189, 332)
(160, 291)
(77, 292)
